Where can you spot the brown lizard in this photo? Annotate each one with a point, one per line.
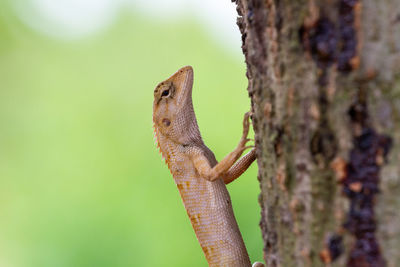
(199, 177)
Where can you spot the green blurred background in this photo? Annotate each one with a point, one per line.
(81, 181)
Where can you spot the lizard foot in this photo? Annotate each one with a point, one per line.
(246, 126)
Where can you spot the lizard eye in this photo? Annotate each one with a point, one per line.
(165, 93)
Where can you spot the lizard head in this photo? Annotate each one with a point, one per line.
(173, 114)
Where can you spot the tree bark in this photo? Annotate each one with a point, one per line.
(324, 81)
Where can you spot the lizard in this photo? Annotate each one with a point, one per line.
(199, 177)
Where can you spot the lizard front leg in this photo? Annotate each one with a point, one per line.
(218, 171)
(239, 167)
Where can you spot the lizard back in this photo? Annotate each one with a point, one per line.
(209, 208)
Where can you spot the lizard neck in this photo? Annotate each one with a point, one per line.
(186, 127)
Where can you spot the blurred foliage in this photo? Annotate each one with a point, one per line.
(81, 182)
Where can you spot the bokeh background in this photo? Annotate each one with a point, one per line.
(81, 181)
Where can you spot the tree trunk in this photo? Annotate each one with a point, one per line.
(324, 80)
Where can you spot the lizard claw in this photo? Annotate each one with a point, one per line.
(246, 121)
(246, 126)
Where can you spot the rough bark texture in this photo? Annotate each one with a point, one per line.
(324, 80)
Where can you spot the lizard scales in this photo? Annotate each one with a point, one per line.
(197, 174)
